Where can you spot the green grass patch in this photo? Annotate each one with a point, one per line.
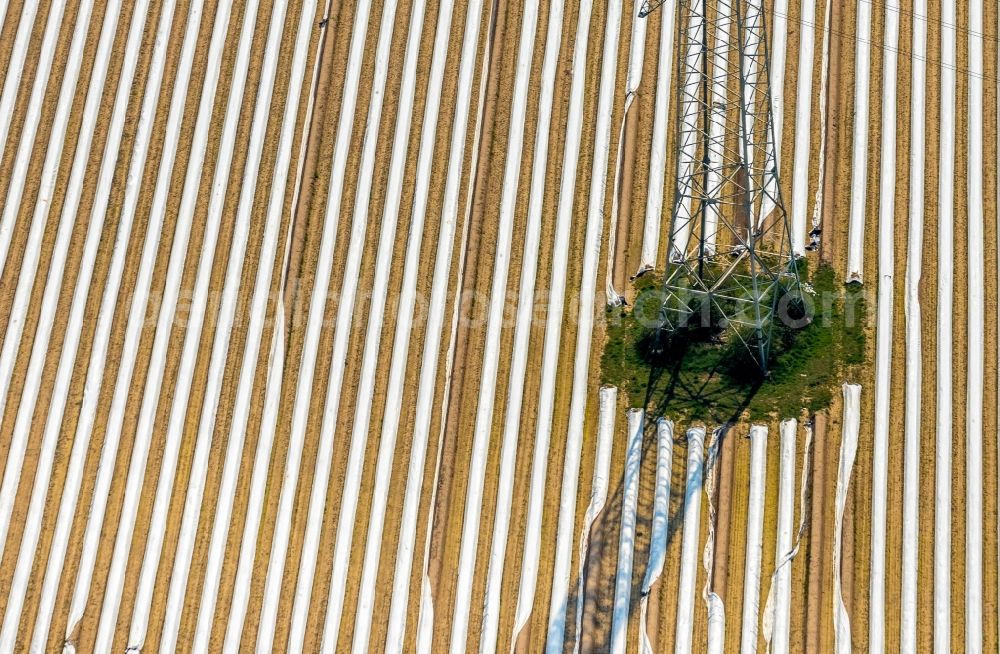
(709, 375)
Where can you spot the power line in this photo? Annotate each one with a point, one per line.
(907, 53)
(652, 5)
(930, 19)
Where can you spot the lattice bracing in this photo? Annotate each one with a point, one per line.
(729, 257)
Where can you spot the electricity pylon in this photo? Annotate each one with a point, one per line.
(730, 255)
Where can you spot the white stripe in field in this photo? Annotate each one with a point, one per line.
(154, 377)
(914, 349)
(716, 638)
(33, 248)
(755, 539)
(803, 126)
(17, 312)
(19, 174)
(718, 121)
(585, 315)
(848, 450)
(362, 419)
(53, 285)
(32, 252)
(224, 325)
(976, 323)
(15, 65)
(694, 34)
(824, 77)
(494, 330)
(779, 46)
(777, 610)
(658, 531)
(550, 352)
(255, 502)
(425, 618)
(945, 289)
(324, 457)
(598, 497)
(884, 335)
(345, 316)
(67, 358)
(4, 20)
(778, 28)
(658, 153)
(435, 323)
(290, 475)
(689, 540)
(859, 159)
(95, 372)
(400, 351)
(237, 438)
(525, 314)
(626, 538)
(753, 37)
(633, 76)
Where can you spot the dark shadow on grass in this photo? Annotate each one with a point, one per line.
(697, 377)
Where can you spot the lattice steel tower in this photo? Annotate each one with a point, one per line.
(730, 252)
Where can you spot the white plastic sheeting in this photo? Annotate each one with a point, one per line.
(945, 315)
(848, 450)
(11, 85)
(324, 459)
(777, 610)
(362, 416)
(637, 52)
(778, 27)
(32, 250)
(522, 332)
(387, 443)
(566, 529)
(425, 617)
(350, 493)
(751, 69)
(689, 540)
(435, 320)
(626, 538)
(95, 372)
(694, 33)
(755, 538)
(237, 436)
(914, 348)
(19, 172)
(884, 335)
(494, 330)
(598, 496)
(290, 475)
(716, 640)
(53, 286)
(823, 84)
(658, 154)
(553, 331)
(859, 160)
(227, 317)
(717, 173)
(658, 535)
(976, 303)
(170, 302)
(67, 359)
(803, 125)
